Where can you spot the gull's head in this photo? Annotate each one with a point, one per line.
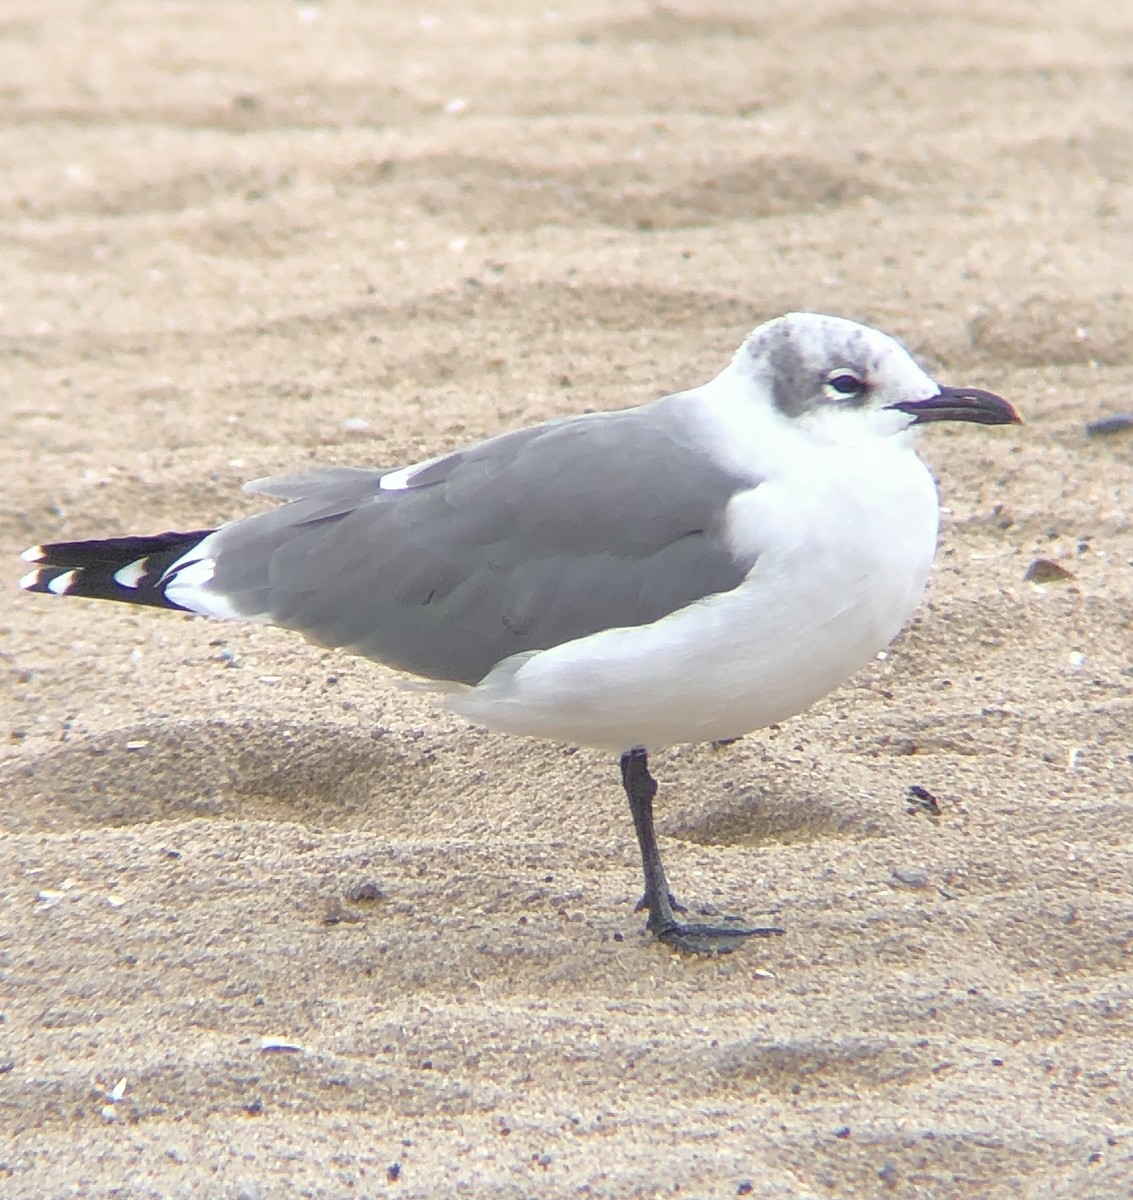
(839, 380)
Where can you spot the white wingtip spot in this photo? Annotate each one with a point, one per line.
(61, 584)
(33, 554)
(131, 574)
(29, 581)
(403, 477)
(397, 481)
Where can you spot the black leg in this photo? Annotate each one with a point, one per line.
(641, 787)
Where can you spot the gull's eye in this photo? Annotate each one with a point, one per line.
(842, 384)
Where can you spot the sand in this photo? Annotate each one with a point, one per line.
(243, 238)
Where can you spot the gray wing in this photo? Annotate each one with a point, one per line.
(520, 543)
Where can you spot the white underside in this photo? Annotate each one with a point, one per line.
(189, 586)
(846, 539)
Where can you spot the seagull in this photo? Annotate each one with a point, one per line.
(689, 570)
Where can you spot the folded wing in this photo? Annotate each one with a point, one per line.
(521, 543)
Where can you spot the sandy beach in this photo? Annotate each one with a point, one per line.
(275, 924)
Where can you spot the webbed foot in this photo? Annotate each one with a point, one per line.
(708, 939)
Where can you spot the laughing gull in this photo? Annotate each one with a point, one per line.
(689, 570)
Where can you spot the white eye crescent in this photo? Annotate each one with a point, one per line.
(843, 384)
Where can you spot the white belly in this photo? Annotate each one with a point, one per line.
(842, 564)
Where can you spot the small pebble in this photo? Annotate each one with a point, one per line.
(1108, 426)
(912, 877)
(368, 889)
(1046, 570)
(273, 1045)
(922, 800)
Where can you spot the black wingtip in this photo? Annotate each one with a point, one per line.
(128, 569)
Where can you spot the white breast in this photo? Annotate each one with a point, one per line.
(845, 546)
